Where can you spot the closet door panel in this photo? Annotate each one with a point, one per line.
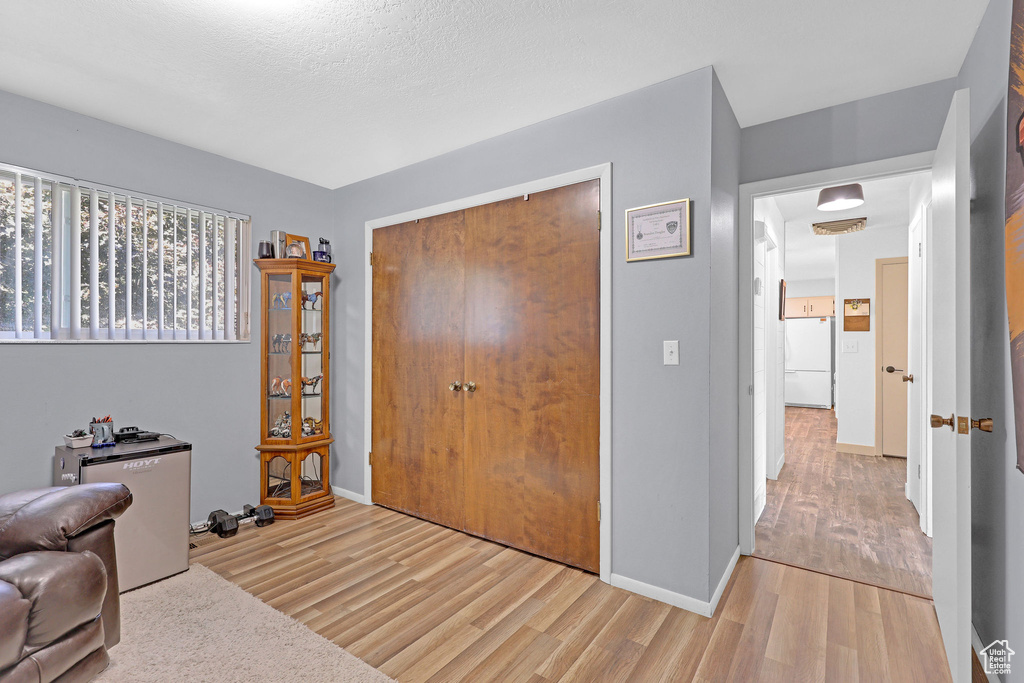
(418, 333)
(532, 347)
(498, 354)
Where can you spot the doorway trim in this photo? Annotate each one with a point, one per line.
(602, 172)
(748, 192)
(879, 303)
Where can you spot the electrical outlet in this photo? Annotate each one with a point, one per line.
(849, 346)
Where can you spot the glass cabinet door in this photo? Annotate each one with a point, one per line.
(312, 342)
(279, 354)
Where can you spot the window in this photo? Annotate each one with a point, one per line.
(80, 260)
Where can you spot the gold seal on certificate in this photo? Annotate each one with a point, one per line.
(658, 231)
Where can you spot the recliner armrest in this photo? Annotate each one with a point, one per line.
(46, 521)
(64, 590)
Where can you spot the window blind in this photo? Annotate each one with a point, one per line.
(85, 261)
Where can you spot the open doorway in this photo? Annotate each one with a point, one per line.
(840, 485)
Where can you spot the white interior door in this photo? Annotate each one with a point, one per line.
(949, 392)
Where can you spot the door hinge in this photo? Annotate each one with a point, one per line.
(599, 511)
(919, 250)
(371, 458)
(599, 221)
(371, 258)
(918, 470)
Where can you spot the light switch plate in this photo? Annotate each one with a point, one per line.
(672, 352)
(850, 346)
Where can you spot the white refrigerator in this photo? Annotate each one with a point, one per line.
(810, 344)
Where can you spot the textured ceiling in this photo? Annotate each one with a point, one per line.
(334, 91)
(809, 256)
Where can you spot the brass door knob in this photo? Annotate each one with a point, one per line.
(908, 378)
(455, 386)
(470, 387)
(984, 424)
(938, 421)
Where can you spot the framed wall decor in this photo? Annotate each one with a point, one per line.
(1014, 221)
(658, 231)
(857, 315)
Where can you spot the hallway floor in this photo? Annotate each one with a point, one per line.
(842, 514)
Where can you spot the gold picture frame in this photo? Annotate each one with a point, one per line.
(666, 227)
(307, 255)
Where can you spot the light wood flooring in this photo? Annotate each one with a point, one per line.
(424, 603)
(846, 515)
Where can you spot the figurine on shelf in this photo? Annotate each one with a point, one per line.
(286, 387)
(313, 339)
(281, 343)
(311, 298)
(282, 426)
(277, 303)
(275, 387)
(311, 382)
(311, 427)
(286, 300)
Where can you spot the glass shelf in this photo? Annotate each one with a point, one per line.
(283, 310)
(311, 353)
(300, 396)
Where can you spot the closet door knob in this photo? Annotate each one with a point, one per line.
(938, 421)
(470, 387)
(455, 386)
(908, 378)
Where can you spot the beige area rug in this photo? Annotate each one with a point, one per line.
(199, 627)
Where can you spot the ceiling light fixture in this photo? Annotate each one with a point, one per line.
(840, 197)
(841, 227)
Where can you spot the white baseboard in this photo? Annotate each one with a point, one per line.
(856, 449)
(345, 493)
(978, 647)
(701, 607)
(724, 581)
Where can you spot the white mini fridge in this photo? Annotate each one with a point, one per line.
(151, 537)
(810, 344)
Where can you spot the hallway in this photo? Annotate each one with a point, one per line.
(842, 514)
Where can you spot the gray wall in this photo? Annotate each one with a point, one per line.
(659, 142)
(724, 332)
(891, 125)
(997, 487)
(204, 393)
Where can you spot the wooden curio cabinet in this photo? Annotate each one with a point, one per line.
(295, 386)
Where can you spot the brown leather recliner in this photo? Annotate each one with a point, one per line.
(59, 604)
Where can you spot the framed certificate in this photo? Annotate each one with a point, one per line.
(658, 231)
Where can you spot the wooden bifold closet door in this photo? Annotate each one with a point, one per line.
(506, 296)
